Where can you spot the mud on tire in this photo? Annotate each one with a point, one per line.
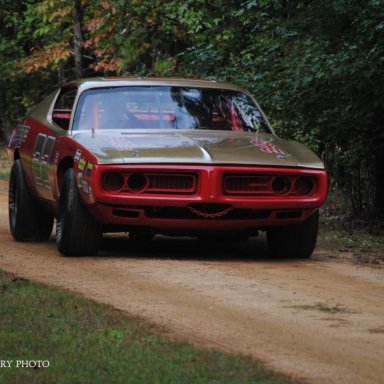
(27, 219)
(77, 232)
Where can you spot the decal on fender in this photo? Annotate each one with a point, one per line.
(77, 156)
(40, 159)
(88, 169)
(21, 135)
(85, 187)
(82, 163)
(79, 180)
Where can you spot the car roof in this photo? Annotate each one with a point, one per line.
(103, 82)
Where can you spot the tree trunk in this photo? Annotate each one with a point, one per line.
(5, 123)
(77, 14)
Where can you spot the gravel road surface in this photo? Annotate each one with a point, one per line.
(318, 321)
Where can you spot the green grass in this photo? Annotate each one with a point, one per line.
(363, 238)
(86, 342)
(352, 240)
(4, 173)
(5, 165)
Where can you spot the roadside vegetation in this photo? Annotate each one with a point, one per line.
(349, 236)
(315, 66)
(86, 342)
(5, 165)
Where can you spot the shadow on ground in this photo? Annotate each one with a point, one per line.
(184, 248)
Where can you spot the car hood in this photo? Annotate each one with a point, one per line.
(195, 147)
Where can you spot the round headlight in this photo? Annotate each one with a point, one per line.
(304, 185)
(137, 182)
(281, 185)
(113, 181)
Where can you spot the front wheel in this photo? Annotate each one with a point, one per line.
(77, 232)
(27, 220)
(294, 241)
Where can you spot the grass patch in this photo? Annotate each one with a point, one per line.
(5, 164)
(4, 173)
(361, 237)
(86, 342)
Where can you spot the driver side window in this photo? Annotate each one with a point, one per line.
(62, 111)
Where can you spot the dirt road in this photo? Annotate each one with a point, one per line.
(319, 321)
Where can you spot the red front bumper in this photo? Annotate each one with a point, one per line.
(209, 206)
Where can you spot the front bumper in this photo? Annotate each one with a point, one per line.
(208, 206)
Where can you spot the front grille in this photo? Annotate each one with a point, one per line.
(168, 183)
(147, 182)
(247, 185)
(270, 185)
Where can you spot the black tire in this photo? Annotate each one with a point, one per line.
(294, 241)
(27, 219)
(77, 232)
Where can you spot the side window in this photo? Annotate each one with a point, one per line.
(62, 111)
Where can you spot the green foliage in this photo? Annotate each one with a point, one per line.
(316, 67)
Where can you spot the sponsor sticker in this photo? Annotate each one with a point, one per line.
(21, 134)
(85, 187)
(88, 169)
(91, 198)
(81, 164)
(79, 180)
(77, 156)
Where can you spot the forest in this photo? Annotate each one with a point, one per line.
(315, 66)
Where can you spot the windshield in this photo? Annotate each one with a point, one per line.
(162, 107)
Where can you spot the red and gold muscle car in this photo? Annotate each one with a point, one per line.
(160, 156)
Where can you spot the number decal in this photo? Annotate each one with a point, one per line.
(40, 159)
(45, 156)
(20, 135)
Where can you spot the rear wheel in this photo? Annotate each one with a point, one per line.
(27, 220)
(77, 232)
(294, 241)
